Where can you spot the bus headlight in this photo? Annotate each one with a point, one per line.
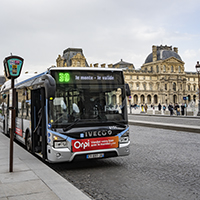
(124, 138)
(60, 144)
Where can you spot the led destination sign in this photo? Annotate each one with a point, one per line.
(94, 78)
(81, 77)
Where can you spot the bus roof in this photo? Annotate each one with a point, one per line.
(85, 69)
(20, 80)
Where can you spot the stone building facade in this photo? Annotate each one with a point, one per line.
(161, 79)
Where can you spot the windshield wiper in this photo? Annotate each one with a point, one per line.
(71, 125)
(117, 123)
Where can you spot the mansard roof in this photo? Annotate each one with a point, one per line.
(163, 53)
(123, 64)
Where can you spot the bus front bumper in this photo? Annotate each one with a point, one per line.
(65, 154)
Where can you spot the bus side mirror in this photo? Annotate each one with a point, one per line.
(50, 86)
(127, 88)
(4, 96)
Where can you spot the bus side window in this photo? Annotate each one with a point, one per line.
(28, 109)
(19, 103)
(23, 109)
(28, 104)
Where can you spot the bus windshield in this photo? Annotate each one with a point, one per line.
(87, 103)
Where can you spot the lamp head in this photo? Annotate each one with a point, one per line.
(198, 66)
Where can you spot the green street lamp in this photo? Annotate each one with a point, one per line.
(198, 71)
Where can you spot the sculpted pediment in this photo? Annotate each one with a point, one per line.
(173, 60)
(78, 56)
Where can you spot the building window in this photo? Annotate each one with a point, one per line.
(137, 86)
(78, 63)
(137, 77)
(188, 79)
(179, 68)
(143, 77)
(157, 68)
(172, 68)
(151, 69)
(193, 79)
(130, 77)
(158, 86)
(165, 86)
(164, 68)
(151, 86)
(188, 87)
(194, 87)
(144, 85)
(181, 86)
(174, 86)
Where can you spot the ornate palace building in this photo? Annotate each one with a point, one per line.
(161, 79)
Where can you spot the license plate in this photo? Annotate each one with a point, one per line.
(97, 155)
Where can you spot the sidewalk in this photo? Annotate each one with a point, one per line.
(188, 113)
(31, 179)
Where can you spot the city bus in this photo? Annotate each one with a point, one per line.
(67, 113)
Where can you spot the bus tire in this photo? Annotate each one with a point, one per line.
(28, 142)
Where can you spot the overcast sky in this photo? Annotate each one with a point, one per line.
(106, 30)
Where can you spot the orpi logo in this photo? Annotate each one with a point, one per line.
(82, 145)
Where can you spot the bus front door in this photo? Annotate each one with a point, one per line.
(38, 124)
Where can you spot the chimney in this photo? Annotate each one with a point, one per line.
(154, 51)
(103, 65)
(176, 50)
(96, 64)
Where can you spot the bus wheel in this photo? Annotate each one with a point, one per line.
(28, 142)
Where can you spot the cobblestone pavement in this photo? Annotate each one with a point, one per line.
(166, 119)
(163, 165)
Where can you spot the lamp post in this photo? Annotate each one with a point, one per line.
(198, 71)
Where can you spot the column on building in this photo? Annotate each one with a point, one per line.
(139, 102)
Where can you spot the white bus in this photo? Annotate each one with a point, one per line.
(67, 114)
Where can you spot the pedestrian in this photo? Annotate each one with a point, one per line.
(164, 108)
(182, 109)
(159, 107)
(145, 107)
(177, 109)
(171, 109)
(142, 108)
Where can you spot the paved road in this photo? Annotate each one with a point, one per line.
(163, 164)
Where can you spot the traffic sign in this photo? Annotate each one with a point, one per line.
(13, 66)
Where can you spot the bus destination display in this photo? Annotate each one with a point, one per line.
(63, 77)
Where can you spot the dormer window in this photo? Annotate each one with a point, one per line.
(164, 68)
(179, 68)
(78, 63)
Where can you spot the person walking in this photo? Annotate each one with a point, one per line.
(171, 109)
(145, 108)
(177, 109)
(164, 108)
(159, 107)
(182, 109)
